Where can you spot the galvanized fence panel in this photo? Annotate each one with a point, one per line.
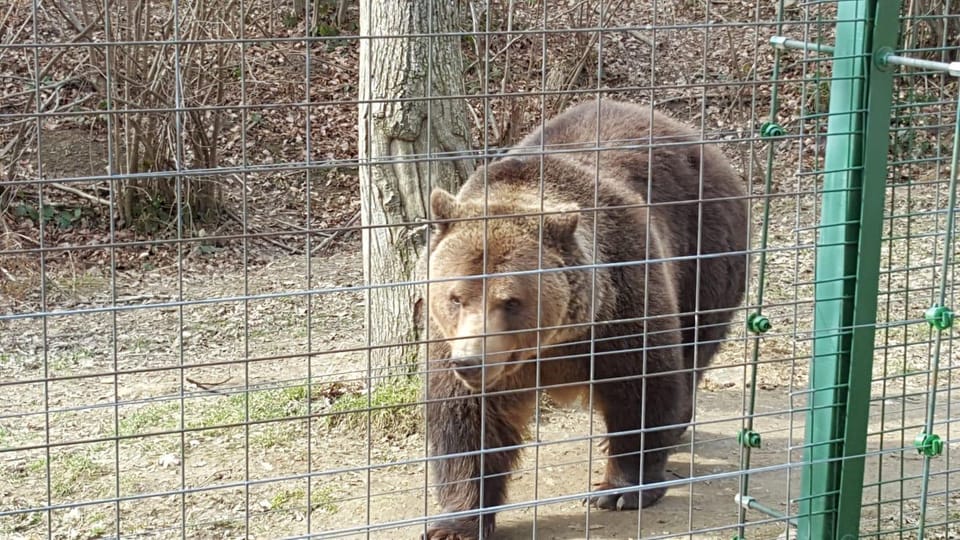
(193, 344)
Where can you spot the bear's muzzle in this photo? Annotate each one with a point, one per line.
(478, 362)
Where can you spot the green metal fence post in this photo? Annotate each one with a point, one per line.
(886, 24)
(836, 269)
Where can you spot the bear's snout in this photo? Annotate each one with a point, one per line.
(483, 350)
(467, 362)
(478, 365)
(468, 369)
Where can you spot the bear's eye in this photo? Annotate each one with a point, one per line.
(455, 300)
(512, 305)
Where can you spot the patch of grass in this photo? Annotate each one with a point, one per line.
(80, 285)
(283, 498)
(391, 408)
(276, 434)
(214, 411)
(140, 344)
(154, 417)
(262, 405)
(293, 497)
(157, 445)
(97, 527)
(67, 361)
(322, 498)
(38, 465)
(20, 523)
(71, 472)
(74, 471)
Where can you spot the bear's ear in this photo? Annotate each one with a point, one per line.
(442, 206)
(560, 227)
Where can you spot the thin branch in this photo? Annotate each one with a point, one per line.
(82, 34)
(340, 232)
(79, 193)
(233, 215)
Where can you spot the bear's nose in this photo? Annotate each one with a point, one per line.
(466, 362)
(468, 368)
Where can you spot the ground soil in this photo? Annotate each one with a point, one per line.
(366, 476)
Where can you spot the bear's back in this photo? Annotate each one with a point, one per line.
(691, 188)
(675, 160)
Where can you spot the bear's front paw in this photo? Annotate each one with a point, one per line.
(627, 501)
(458, 529)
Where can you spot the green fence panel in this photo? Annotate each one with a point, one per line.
(848, 268)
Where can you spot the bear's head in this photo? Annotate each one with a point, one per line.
(487, 296)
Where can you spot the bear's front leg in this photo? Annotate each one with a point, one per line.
(453, 423)
(623, 470)
(632, 459)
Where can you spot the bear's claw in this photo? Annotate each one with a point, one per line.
(627, 501)
(457, 529)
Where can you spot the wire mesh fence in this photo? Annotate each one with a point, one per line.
(230, 301)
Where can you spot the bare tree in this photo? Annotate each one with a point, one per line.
(144, 78)
(930, 30)
(406, 69)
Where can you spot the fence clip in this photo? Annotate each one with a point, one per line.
(772, 129)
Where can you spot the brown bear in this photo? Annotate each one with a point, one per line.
(568, 274)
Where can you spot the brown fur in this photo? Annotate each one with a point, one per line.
(646, 315)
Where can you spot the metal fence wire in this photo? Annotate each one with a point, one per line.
(241, 298)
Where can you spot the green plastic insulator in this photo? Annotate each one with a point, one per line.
(749, 438)
(758, 323)
(939, 317)
(928, 444)
(772, 129)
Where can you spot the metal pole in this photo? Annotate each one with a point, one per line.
(836, 267)
(876, 144)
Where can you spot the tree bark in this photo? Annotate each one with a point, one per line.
(408, 134)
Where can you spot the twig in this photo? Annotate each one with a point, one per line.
(79, 193)
(569, 83)
(571, 9)
(707, 95)
(208, 386)
(233, 215)
(640, 36)
(344, 230)
(81, 33)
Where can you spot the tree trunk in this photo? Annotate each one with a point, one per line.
(409, 135)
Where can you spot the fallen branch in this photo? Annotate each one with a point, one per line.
(80, 193)
(640, 36)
